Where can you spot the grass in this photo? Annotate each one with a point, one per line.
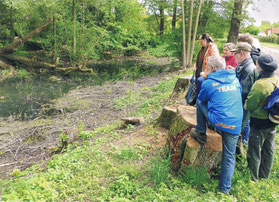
(270, 45)
(100, 170)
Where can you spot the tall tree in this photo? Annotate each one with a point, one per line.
(173, 24)
(74, 27)
(162, 18)
(195, 31)
(183, 35)
(190, 20)
(235, 21)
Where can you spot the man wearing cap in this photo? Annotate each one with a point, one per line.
(247, 74)
(262, 136)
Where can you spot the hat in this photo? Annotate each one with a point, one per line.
(242, 46)
(267, 63)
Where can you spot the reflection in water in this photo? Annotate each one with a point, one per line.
(23, 98)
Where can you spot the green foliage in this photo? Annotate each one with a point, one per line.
(160, 169)
(193, 176)
(270, 39)
(251, 29)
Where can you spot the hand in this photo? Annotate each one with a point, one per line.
(230, 67)
(204, 74)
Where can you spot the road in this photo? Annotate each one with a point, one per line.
(272, 51)
(267, 50)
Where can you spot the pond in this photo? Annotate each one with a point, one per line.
(22, 98)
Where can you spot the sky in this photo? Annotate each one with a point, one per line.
(264, 10)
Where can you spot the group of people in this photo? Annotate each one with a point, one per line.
(232, 93)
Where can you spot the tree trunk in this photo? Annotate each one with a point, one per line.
(74, 27)
(18, 41)
(162, 20)
(54, 36)
(183, 40)
(195, 32)
(189, 34)
(205, 15)
(173, 24)
(235, 22)
(12, 31)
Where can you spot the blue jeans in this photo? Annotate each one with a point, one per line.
(229, 142)
(228, 160)
(245, 131)
(202, 120)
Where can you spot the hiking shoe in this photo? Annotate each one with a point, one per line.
(197, 136)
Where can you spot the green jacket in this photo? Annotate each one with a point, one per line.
(258, 97)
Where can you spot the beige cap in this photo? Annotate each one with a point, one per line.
(242, 46)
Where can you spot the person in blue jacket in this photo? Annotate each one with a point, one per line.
(219, 104)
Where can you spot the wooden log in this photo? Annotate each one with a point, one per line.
(133, 120)
(185, 150)
(29, 62)
(181, 85)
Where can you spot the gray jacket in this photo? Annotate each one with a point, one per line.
(247, 75)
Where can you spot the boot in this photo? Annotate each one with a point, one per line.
(201, 138)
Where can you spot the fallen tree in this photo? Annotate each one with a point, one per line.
(6, 54)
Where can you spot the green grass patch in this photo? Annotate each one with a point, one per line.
(270, 45)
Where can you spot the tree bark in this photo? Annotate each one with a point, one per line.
(183, 35)
(18, 41)
(189, 34)
(235, 22)
(74, 27)
(162, 20)
(54, 35)
(195, 32)
(173, 24)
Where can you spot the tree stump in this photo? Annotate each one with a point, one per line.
(185, 150)
(181, 84)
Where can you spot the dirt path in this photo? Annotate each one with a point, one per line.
(25, 143)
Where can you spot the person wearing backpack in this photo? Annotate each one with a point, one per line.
(261, 144)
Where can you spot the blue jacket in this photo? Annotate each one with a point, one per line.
(222, 91)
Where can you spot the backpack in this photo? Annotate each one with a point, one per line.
(273, 105)
(191, 96)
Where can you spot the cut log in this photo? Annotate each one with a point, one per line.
(181, 85)
(185, 150)
(133, 120)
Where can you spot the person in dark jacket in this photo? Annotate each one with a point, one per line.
(262, 137)
(219, 102)
(247, 74)
(255, 52)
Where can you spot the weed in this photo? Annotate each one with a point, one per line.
(160, 167)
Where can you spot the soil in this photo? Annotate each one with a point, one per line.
(23, 143)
